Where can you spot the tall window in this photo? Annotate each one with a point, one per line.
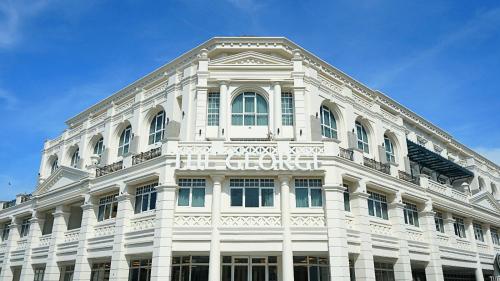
(478, 232)
(100, 271)
(347, 199)
(308, 193)
(328, 123)
(39, 271)
(252, 192)
(25, 227)
(459, 227)
(213, 109)
(140, 270)
(249, 109)
(411, 214)
(124, 144)
(495, 237)
(438, 220)
(263, 268)
(377, 205)
(389, 150)
(98, 147)
(54, 166)
(157, 128)
(191, 192)
(384, 271)
(67, 272)
(5, 231)
(145, 198)
(75, 158)
(287, 109)
(108, 207)
(362, 138)
(190, 268)
(309, 268)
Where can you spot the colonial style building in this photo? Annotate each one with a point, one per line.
(249, 158)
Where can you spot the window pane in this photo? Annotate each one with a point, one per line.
(316, 197)
(226, 273)
(300, 273)
(138, 204)
(301, 199)
(258, 273)
(241, 273)
(236, 197)
(183, 197)
(238, 104)
(313, 273)
(261, 104)
(145, 201)
(152, 201)
(249, 119)
(198, 197)
(199, 273)
(249, 104)
(267, 197)
(251, 197)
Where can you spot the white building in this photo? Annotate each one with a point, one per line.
(251, 159)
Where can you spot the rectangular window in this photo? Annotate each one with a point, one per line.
(100, 271)
(25, 227)
(384, 272)
(252, 192)
(310, 268)
(459, 227)
(411, 214)
(67, 272)
(5, 231)
(39, 272)
(438, 220)
(213, 109)
(478, 232)
(287, 109)
(308, 193)
(140, 270)
(377, 205)
(190, 268)
(495, 237)
(249, 268)
(108, 207)
(145, 198)
(347, 200)
(191, 192)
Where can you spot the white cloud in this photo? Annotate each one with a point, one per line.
(492, 154)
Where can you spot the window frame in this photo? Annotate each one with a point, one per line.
(495, 236)
(237, 261)
(25, 227)
(410, 212)
(311, 184)
(459, 227)
(317, 263)
(67, 272)
(478, 232)
(389, 150)
(108, 202)
(253, 113)
(38, 273)
(145, 191)
(384, 271)
(249, 183)
(347, 198)
(191, 184)
(287, 109)
(213, 109)
(157, 128)
(180, 262)
(124, 141)
(99, 146)
(6, 231)
(143, 267)
(75, 158)
(363, 141)
(439, 222)
(54, 166)
(331, 127)
(378, 199)
(99, 268)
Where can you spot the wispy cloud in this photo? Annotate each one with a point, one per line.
(492, 154)
(7, 100)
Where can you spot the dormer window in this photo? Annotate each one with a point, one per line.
(124, 144)
(98, 147)
(157, 128)
(328, 123)
(362, 138)
(75, 158)
(249, 109)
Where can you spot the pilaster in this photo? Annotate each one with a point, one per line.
(33, 236)
(276, 108)
(434, 269)
(471, 237)
(214, 266)
(6, 273)
(82, 265)
(287, 249)
(223, 109)
(402, 267)
(119, 263)
(61, 216)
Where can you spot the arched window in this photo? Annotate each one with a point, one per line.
(481, 183)
(493, 189)
(124, 144)
(328, 123)
(75, 158)
(389, 150)
(157, 128)
(98, 147)
(249, 109)
(54, 166)
(362, 137)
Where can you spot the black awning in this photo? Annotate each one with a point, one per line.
(436, 162)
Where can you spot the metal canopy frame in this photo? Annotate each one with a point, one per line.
(436, 162)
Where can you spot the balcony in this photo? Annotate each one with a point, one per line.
(407, 177)
(384, 168)
(145, 156)
(109, 169)
(346, 153)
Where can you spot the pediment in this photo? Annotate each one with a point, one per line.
(250, 58)
(62, 177)
(485, 200)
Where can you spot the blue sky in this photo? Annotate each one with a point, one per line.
(439, 58)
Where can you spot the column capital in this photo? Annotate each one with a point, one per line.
(397, 205)
(285, 178)
(360, 194)
(334, 188)
(276, 83)
(426, 213)
(217, 178)
(123, 197)
(166, 186)
(223, 82)
(87, 206)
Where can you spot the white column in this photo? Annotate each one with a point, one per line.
(402, 267)
(434, 269)
(33, 238)
(471, 237)
(287, 250)
(224, 114)
(119, 264)
(214, 266)
(61, 216)
(363, 266)
(82, 265)
(162, 251)
(276, 108)
(302, 126)
(6, 273)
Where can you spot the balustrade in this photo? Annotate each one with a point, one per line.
(145, 156)
(346, 153)
(108, 169)
(384, 168)
(407, 177)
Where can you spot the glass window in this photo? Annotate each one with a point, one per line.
(438, 220)
(191, 192)
(100, 271)
(495, 237)
(384, 272)
(190, 268)
(25, 227)
(287, 109)
(308, 268)
(124, 144)
(108, 207)
(213, 109)
(67, 272)
(308, 193)
(54, 166)
(347, 199)
(459, 227)
(39, 271)
(145, 198)
(249, 268)
(362, 138)
(140, 270)
(5, 231)
(377, 205)
(389, 150)
(249, 109)
(411, 214)
(99, 146)
(75, 158)
(252, 192)
(328, 123)
(157, 128)
(478, 232)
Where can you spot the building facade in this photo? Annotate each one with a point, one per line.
(249, 158)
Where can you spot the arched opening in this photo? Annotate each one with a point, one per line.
(249, 109)
(98, 146)
(124, 141)
(75, 157)
(390, 149)
(53, 164)
(363, 143)
(494, 190)
(328, 123)
(482, 185)
(157, 128)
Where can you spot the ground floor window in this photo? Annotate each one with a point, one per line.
(100, 271)
(249, 268)
(67, 272)
(384, 272)
(307, 268)
(39, 271)
(140, 270)
(190, 268)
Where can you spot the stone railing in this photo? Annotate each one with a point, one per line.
(192, 220)
(108, 169)
(105, 228)
(415, 234)
(380, 227)
(142, 223)
(250, 148)
(443, 239)
(194, 147)
(21, 244)
(384, 168)
(482, 247)
(45, 240)
(448, 191)
(307, 220)
(346, 153)
(246, 220)
(307, 148)
(407, 177)
(464, 244)
(72, 235)
(145, 156)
